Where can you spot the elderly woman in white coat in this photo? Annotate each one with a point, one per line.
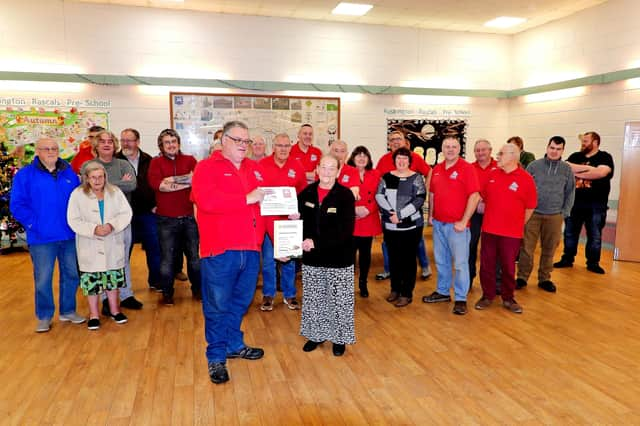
(99, 213)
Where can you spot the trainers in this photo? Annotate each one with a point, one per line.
(119, 318)
(218, 372)
(93, 324)
(131, 303)
(43, 326)
(594, 267)
(402, 302)
(547, 286)
(267, 304)
(106, 311)
(247, 353)
(436, 297)
(181, 276)
(520, 284)
(383, 276)
(483, 303)
(291, 303)
(72, 317)
(393, 296)
(155, 287)
(310, 345)
(564, 263)
(167, 300)
(338, 349)
(460, 308)
(513, 306)
(426, 273)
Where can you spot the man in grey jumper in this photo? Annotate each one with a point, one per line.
(555, 185)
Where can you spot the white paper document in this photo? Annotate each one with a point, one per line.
(279, 200)
(287, 238)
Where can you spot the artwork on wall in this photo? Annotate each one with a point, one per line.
(197, 116)
(425, 135)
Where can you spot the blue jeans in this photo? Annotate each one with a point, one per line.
(287, 272)
(174, 233)
(450, 245)
(145, 231)
(594, 218)
(228, 285)
(43, 257)
(423, 259)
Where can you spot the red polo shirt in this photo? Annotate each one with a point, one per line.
(483, 174)
(349, 176)
(507, 196)
(309, 159)
(451, 189)
(385, 164)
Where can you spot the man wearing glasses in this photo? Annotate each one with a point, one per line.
(170, 177)
(227, 195)
(307, 154)
(39, 198)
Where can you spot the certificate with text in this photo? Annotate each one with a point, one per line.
(287, 238)
(279, 200)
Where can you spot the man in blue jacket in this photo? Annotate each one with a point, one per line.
(39, 197)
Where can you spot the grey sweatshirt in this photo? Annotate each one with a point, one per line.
(555, 184)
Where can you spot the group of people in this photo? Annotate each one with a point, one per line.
(210, 212)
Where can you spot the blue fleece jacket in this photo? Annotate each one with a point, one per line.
(39, 200)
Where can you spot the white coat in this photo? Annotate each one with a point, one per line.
(99, 254)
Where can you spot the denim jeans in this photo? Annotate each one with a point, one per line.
(176, 232)
(228, 285)
(421, 252)
(594, 218)
(287, 272)
(450, 245)
(43, 257)
(145, 231)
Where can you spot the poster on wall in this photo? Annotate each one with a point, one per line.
(425, 135)
(197, 116)
(20, 129)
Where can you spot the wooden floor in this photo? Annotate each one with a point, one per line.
(571, 358)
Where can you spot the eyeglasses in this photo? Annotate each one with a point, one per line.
(128, 140)
(239, 141)
(395, 139)
(49, 149)
(282, 146)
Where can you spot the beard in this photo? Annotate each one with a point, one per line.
(128, 152)
(586, 148)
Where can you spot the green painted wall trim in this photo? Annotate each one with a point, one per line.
(271, 86)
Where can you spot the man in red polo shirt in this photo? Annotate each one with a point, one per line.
(510, 197)
(483, 166)
(347, 175)
(453, 197)
(397, 139)
(279, 169)
(307, 154)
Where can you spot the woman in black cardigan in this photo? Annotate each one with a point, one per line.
(328, 213)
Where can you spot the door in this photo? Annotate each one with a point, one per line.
(627, 227)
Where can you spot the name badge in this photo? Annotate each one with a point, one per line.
(332, 210)
(308, 204)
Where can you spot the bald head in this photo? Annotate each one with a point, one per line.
(508, 157)
(47, 150)
(339, 150)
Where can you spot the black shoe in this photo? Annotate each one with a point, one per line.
(167, 300)
(155, 287)
(181, 276)
(197, 295)
(338, 350)
(106, 311)
(131, 303)
(547, 286)
(119, 318)
(93, 324)
(460, 308)
(247, 353)
(520, 284)
(564, 263)
(218, 372)
(594, 267)
(364, 292)
(310, 345)
(436, 297)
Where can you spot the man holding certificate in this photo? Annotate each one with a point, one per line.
(284, 172)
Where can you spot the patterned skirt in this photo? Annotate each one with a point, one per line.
(94, 283)
(328, 304)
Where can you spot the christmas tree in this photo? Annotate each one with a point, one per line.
(12, 233)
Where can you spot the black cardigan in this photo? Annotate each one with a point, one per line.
(143, 199)
(330, 226)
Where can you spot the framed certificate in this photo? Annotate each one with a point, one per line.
(278, 201)
(287, 238)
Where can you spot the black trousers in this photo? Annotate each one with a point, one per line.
(362, 245)
(402, 246)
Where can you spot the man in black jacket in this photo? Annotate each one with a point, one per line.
(143, 203)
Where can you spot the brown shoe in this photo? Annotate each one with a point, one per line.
(402, 302)
(292, 303)
(167, 300)
(483, 303)
(267, 304)
(460, 308)
(513, 306)
(393, 296)
(181, 276)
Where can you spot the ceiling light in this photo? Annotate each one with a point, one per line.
(504, 22)
(352, 9)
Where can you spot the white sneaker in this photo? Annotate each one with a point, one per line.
(72, 317)
(426, 272)
(43, 326)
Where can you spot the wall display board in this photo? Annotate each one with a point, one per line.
(196, 117)
(426, 134)
(20, 129)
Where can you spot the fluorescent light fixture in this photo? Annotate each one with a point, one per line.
(351, 9)
(344, 96)
(435, 100)
(41, 86)
(555, 95)
(504, 22)
(150, 90)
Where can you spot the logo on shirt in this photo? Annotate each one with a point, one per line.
(453, 175)
(345, 179)
(314, 157)
(258, 175)
(513, 187)
(227, 174)
(291, 174)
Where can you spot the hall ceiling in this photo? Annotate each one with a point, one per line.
(452, 15)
